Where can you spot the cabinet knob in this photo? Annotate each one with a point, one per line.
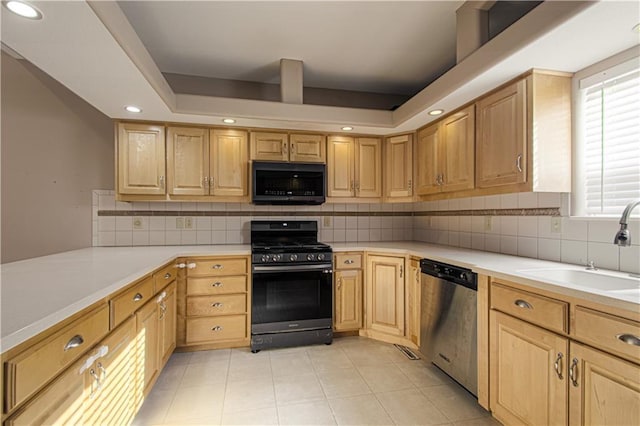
(74, 342)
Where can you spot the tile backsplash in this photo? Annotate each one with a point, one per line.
(535, 225)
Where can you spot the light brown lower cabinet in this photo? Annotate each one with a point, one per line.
(526, 387)
(97, 389)
(603, 390)
(413, 302)
(148, 333)
(167, 323)
(385, 294)
(348, 300)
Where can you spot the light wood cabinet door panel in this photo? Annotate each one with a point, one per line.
(167, 318)
(218, 267)
(217, 305)
(368, 167)
(348, 300)
(340, 167)
(307, 148)
(385, 294)
(428, 164)
(399, 166)
(501, 139)
(348, 261)
(269, 146)
(458, 148)
(525, 387)
(606, 391)
(187, 161)
(216, 329)
(147, 326)
(141, 159)
(229, 163)
(216, 285)
(413, 302)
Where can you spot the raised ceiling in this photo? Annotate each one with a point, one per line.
(94, 50)
(384, 47)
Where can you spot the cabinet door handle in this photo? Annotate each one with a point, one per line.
(293, 147)
(339, 283)
(216, 328)
(409, 183)
(348, 261)
(629, 339)
(216, 284)
(167, 276)
(352, 185)
(162, 182)
(401, 271)
(573, 372)
(523, 304)
(138, 297)
(519, 162)
(217, 266)
(74, 342)
(557, 365)
(206, 181)
(216, 305)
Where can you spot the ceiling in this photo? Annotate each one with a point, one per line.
(384, 47)
(114, 54)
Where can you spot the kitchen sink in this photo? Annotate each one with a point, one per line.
(600, 280)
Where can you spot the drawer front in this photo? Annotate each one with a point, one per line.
(348, 261)
(164, 277)
(218, 267)
(214, 285)
(130, 301)
(217, 305)
(608, 332)
(27, 372)
(548, 313)
(216, 329)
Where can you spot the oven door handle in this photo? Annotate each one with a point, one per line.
(325, 267)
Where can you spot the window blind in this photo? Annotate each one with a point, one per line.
(612, 144)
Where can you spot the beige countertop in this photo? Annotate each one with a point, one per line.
(38, 293)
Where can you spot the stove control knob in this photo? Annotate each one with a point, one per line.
(320, 256)
(293, 257)
(309, 257)
(264, 258)
(277, 257)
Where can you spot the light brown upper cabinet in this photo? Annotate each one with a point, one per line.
(523, 135)
(446, 154)
(399, 167)
(207, 162)
(140, 159)
(354, 167)
(299, 148)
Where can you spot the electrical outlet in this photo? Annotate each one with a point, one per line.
(487, 223)
(556, 226)
(137, 223)
(179, 223)
(188, 223)
(326, 221)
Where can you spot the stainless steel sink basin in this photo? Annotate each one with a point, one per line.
(600, 280)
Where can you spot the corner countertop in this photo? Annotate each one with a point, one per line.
(40, 292)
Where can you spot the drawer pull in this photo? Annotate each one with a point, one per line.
(216, 305)
(167, 276)
(217, 266)
(138, 297)
(217, 328)
(348, 261)
(629, 339)
(523, 304)
(558, 365)
(217, 284)
(573, 372)
(74, 342)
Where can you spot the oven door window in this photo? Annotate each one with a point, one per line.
(291, 296)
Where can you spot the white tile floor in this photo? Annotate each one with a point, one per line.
(354, 381)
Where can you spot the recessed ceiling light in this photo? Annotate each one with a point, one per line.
(133, 108)
(228, 120)
(23, 9)
(436, 112)
(347, 128)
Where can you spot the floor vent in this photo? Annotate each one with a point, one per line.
(408, 352)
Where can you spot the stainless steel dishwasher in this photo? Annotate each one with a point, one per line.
(448, 321)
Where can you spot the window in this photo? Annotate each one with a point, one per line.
(609, 139)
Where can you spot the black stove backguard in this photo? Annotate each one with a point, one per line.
(292, 285)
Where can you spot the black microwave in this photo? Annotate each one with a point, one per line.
(288, 183)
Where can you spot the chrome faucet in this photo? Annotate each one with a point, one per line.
(623, 238)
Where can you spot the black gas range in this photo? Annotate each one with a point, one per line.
(292, 282)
